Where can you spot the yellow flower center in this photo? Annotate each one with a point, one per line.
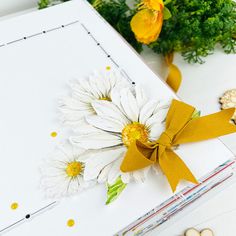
(74, 169)
(133, 132)
(105, 98)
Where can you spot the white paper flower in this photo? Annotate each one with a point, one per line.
(98, 86)
(119, 123)
(62, 173)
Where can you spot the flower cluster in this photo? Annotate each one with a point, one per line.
(192, 27)
(106, 114)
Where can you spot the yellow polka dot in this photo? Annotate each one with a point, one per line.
(108, 68)
(70, 223)
(14, 205)
(54, 134)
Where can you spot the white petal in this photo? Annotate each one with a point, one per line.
(156, 169)
(107, 124)
(163, 105)
(80, 92)
(74, 186)
(157, 118)
(156, 130)
(70, 151)
(83, 127)
(141, 175)
(74, 110)
(96, 141)
(115, 97)
(76, 86)
(49, 179)
(83, 94)
(108, 109)
(104, 78)
(109, 81)
(54, 189)
(146, 171)
(98, 81)
(74, 118)
(140, 96)
(85, 83)
(126, 177)
(147, 111)
(62, 154)
(115, 171)
(99, 160)
(113, 79)
(102, 178)
(83, 157)
(84, 97)
(129, 104)
(138, 176)
(86, 184)
(69, 103)
(94, 83)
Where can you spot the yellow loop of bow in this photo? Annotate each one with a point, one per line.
(180, 128)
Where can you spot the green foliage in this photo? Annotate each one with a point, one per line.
(196, 26)
(43, 4)
(114, 190)
(191, 27)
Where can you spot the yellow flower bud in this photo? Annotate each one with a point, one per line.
(146, 25)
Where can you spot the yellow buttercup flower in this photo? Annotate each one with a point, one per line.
(146, 25)
(147, 22)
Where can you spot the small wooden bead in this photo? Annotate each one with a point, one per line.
(207, 232)
(192, 232)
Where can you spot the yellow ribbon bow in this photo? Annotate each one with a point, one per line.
(180, 128)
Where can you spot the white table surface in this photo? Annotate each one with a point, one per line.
(202, 86)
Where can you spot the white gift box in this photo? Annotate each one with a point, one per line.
(39, 53)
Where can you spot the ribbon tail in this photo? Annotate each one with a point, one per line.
(138, 157)
(174, 77)
(175, 169)
(207, 127)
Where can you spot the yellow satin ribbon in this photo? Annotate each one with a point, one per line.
(174, 77)
(180, 128)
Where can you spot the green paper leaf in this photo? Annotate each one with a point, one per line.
(196, 114)
(114, 190)
(166, 13)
